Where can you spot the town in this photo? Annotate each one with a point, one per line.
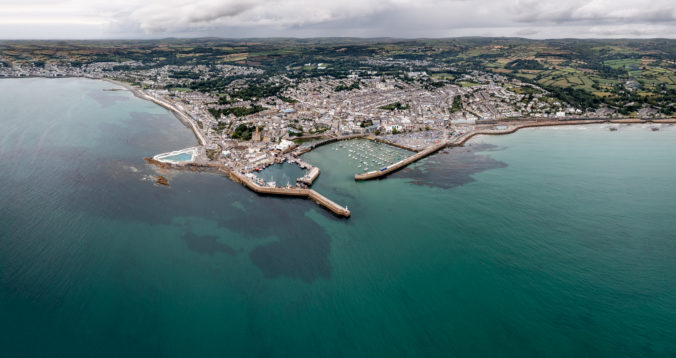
(246, 118)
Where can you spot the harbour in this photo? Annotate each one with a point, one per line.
(365, 161)
(296, 192)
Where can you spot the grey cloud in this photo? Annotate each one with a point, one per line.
(365, 18)
(633, 11)
(161, 17)
(218, 12)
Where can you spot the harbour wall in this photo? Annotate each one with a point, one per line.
(296, 192)
(402, 146)
(402, 163)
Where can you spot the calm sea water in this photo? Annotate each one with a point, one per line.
(551, 242)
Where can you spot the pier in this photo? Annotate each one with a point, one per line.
(297, 192)
(310, 177)
(402, 163)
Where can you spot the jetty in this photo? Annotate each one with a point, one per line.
(310, 177)
(296, 192)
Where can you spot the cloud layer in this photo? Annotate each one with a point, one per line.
(309, 18)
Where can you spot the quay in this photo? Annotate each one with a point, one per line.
(398, 145)
(310, 177)
(297, 192)
(335, 139)
(304, 149)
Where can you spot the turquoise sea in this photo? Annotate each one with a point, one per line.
(557, 242)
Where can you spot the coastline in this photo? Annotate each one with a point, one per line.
(235, 175)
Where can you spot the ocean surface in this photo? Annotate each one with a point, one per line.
(557, 242)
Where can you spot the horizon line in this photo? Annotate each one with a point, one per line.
(334, 37)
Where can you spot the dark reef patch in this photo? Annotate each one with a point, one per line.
(301, 256)
(452, 167)
(303, 246)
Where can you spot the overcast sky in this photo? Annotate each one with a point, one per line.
(93, 19)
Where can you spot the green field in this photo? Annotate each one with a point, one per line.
(442, 76)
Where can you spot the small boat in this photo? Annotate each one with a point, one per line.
(654, 129)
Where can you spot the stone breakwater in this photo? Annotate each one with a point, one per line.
(263, 190)
(402, 163)
(297, 192)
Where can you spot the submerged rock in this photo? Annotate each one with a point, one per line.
(162, 181)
